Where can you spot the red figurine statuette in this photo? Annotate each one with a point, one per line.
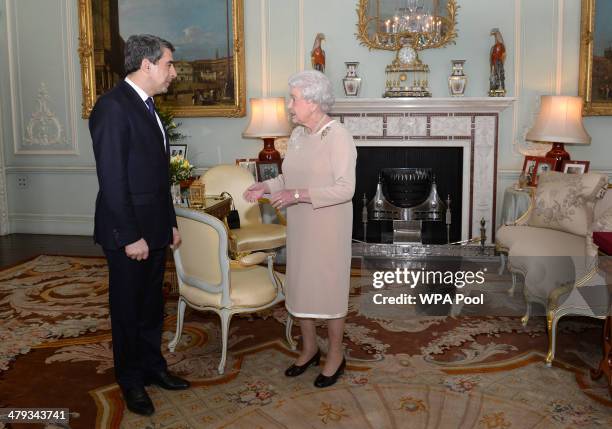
(497, 84)
(317, 55)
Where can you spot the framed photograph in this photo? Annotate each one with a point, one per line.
(208, 36)
(178, 149)
(250, 164)
(268, 169)
(575, 167)
(595, 72)
(543, 165)
(529, 166)
(535, 165)
(196, 194)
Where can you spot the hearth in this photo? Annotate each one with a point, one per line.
(406, 197)
(406, 190)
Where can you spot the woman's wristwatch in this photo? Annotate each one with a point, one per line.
(296, 195)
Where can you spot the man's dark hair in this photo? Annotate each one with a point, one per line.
(141, 46)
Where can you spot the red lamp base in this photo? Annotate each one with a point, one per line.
(559, 153)
(269, 153)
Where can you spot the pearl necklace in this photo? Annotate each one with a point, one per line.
(316, 127)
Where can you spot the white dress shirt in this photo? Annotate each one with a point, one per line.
(144, 97)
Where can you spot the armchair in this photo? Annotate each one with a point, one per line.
(208, 282)
(551, 246)
(253, 235)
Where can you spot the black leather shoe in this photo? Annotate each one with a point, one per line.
(295, 370)
(167, 381)
(325, 381)
(137, 401)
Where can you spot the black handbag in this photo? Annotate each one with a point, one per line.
(233, 218)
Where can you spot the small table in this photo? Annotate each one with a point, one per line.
(216, 206)
(516, 203)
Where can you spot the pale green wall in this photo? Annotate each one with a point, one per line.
(43, 38)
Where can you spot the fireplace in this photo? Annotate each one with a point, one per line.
(456, 137)
(446, 169)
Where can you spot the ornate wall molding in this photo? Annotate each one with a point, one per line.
(520, 144)
(44, 128)
(44, 131)
(4, 220)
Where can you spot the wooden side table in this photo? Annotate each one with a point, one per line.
(218, 207)
(605, 366)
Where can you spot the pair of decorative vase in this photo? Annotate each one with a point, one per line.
(456, 82)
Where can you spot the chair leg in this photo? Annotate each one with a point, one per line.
(180, 314)
(525, 318)
(513, 288)
(292, 344)
(502, 264)
(551, 324)
(226, 316)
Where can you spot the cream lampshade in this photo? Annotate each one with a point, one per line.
(559, 122)
(268, 121)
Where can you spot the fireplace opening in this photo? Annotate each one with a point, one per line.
(446, 164)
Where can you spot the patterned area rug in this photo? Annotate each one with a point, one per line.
(445, 372)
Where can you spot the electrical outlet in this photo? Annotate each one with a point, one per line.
(22, 182)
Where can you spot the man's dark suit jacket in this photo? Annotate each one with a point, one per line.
(134, 199)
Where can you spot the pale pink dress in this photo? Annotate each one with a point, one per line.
(319, 234)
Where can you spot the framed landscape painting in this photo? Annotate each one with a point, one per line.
(595, 78)
(208, 36)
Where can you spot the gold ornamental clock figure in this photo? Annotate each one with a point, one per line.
(407, 76)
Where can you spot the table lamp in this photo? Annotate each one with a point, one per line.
(559, 122)
(268, 121)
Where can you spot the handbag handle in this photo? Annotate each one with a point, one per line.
(224, 193)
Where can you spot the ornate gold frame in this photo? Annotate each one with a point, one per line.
(88, 78)
(362, 29)
(587, 28)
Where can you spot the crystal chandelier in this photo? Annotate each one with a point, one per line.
(412, 20)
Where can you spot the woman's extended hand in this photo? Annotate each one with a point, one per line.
(254, 192)
(283, 198)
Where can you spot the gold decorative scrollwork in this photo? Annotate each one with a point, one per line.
(595, 84)
(377, 29)
(100, 51)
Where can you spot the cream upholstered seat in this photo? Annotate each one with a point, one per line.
(209, 282)
(551, 246)
(253, 234)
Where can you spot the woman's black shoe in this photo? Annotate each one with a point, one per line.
(295, 370)
(325, 381)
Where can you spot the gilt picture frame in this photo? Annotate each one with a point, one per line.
(250, 164)
(268, 170)
(209, 58)
(179, 149)
(595, 71)
(575, 167)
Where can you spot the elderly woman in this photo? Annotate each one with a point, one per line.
(317, 187)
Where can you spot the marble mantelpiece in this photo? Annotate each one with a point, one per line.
(468, 122)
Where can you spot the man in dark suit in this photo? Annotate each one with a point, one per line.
(135, 219)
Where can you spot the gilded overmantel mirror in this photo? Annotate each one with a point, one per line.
(392, 24)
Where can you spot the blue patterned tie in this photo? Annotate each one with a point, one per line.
(150, 106)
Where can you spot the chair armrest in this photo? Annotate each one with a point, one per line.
(245, 259)
(255, 258)
(279, 215)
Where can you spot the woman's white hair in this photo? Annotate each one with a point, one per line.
(315, 87)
